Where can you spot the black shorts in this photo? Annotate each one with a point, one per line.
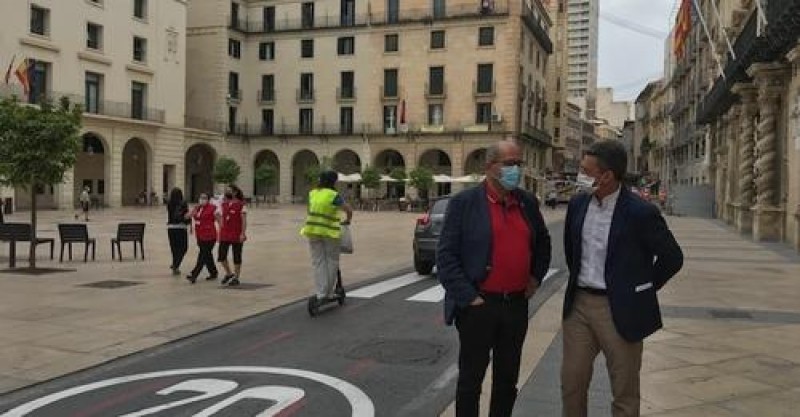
(85, 205)
(222, 252)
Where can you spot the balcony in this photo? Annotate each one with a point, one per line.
(305, 96)
(438, 92)
(539, 32)
(266, 96)
(536, 135)
(234, 96)
(479, 90)
(346, 95)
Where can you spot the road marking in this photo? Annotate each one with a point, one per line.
(436, 293)
(374, 290)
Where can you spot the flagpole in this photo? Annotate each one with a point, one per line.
(710, 39)
(721, 25)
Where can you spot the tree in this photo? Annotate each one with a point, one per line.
(398, 187)
(370, 178)
(421, 178)
(37, 146)
(226, 171)
(265, 175)
(312, 171)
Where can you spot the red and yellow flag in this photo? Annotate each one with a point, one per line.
(683, 25)
(22, 75)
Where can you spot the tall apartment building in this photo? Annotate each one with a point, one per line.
(583, 37)
(124, 62)
(356, 84)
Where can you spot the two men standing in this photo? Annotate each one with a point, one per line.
(494, 251)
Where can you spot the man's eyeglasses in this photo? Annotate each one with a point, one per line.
(512, 163)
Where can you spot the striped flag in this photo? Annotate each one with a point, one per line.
(683, 25)
(8, 71)
(22, 75)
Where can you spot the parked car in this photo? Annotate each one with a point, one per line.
(426, 236)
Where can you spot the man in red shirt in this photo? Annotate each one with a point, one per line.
(493, 253)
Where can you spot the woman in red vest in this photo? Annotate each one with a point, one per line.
(205, 228)
(233, 223)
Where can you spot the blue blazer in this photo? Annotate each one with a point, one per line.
(464, 251)
(642, 256)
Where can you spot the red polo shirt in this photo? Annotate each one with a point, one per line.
(511, 245)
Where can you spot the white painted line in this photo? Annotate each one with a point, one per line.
(431, 295)
(374, 290)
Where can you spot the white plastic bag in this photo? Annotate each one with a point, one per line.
(346, 241)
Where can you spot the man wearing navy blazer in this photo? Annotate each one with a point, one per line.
(619, 252)
(493, 253)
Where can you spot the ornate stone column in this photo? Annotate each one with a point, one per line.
(793, 151)
(731, 121)
(768, 211)
(745, 177)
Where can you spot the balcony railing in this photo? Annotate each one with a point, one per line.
(266, 96)
(305, 96)
(346, 94)
(389, 93)
(235, 95)
(479, 90)
(537, 135)
(425, 15)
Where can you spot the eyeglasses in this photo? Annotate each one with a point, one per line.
(511, 163)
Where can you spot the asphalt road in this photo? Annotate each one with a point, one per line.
(385, 353)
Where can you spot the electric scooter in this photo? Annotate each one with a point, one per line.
(314, 303)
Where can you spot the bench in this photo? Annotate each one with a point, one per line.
(70, 233)
(128, 232)
(21, 232)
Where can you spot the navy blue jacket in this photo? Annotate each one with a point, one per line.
(464, 252)
(642, 256)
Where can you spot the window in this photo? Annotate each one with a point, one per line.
(556, 133)
(139, 49)
(437, 39)
(233, 86)
(307, 48)
(93, 86)
(392, 11)
(234, 48)
(346, 45)
(483, 113)
(347, 85)
(485, 79)
(267, 88)
(94, 36)
(348, 12)
(436, 81)
(346, 120)
(231, 119)
(268, 122)
(140, 9)
(486, 36)
(269, 18)
(391, 43)
(138, 100)
(390, 82)
(436, 114)
(39, 80)
(306, 86)
(390, 119)
(307, 15)
(439, 10)
(266, 51)
(306, 121)
(40, 20)
(235, 15)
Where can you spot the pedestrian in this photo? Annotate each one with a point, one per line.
(84, 201)
(323, 230)
(619, 252)
(232, 217)
(493, 253)
(177, 227)
(552, 199)
(205, 230)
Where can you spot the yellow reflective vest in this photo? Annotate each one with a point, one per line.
(323, 217)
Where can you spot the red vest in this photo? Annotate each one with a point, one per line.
(231, 224)
(205, 223)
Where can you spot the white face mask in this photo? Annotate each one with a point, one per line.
(586, 182)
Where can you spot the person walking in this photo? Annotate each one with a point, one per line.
(84, 200)
(322, 228)
(492, 255)
(205, 230)
(232, 215)
(177, 225)
(619, 252)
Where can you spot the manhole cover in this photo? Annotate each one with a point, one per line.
(398, 351)
(730, 314)
(111, 284)
(245, 286)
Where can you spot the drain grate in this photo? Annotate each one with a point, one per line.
(111, 284)
(245, 286)
(398, 351)
(730, 314)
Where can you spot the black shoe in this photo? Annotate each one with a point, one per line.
(175, 271)
(191, 278)
(211, 278)
(234, 282)
(227, 278)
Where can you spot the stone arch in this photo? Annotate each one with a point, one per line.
(386, 161)
(347, 162)
(475, 162)
(199, 167)
(302, 161)
(136, 181)
(440, 163)
(92, 169)
(271, 158)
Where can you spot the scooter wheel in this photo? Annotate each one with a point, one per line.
(313, 306)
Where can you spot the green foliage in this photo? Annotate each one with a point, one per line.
(266, 174)
(398, 174)
(312, 171)
(226, 171)
(370, 178)
(421, 178)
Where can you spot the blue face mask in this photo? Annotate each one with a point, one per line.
(510, 177)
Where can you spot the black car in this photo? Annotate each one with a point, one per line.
(426, 236)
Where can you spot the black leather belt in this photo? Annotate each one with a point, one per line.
(594, 291)
(503, 297)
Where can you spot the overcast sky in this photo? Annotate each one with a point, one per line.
(629, 59)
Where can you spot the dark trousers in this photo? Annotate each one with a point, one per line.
(205, 258)
(178, 244)
(495, 329)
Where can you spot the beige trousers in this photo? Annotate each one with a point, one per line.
(588, 330)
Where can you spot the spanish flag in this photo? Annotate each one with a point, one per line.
(8, 71)
(683, 25)
(22, 75)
